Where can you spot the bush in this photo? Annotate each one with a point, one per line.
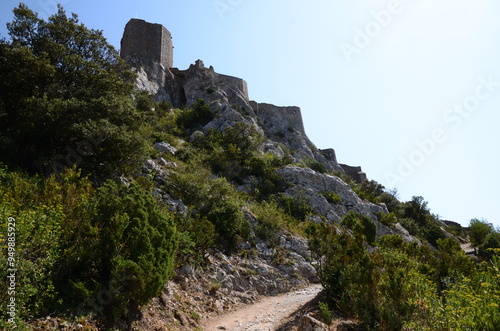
(394, 288)
(317, 166)
(296, 206)
(268, 181)
(213, 199)
(479, 229)
(332, 197)
(391, 241)
(325, 314)
(417, 210)
(492, 241)
(36, 233)
(361, 224)
(124, 254)
(196, 117)
(196, 237)
(387, 219)
(432, 233)
(410, 225)
(271, 221)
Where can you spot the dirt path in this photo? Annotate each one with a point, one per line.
(265, 314)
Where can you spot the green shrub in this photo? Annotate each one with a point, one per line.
(296, 206)
(387, 219)
(213, 199)
(196, 117)
(394, 288)
(228, 153)
(317, 166)
(391, 241)
(432, 233)
(271, 221)
(410, 225)
(361, 224)
(325, 314)
(45, 214)
(196, 237)
(124, 254)
(491, 242)
(332, 197)
(268, 181)
(479, 229)
(417, 210)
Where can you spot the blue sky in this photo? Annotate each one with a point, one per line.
(408, 89)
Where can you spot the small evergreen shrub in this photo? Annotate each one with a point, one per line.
(332, 197)
(124, 255)
(387, 219)
(479, 229)
(296, 206)
(317, 166)
(325, 314)
(361, 224)
(195, 118)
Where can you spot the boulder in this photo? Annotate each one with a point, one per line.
(164, 147)
(308, 323)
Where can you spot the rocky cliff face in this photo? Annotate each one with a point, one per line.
(228, 99)
(282, 126)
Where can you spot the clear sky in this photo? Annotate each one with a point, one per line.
(408, 89)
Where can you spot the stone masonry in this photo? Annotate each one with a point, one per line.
(150, 41)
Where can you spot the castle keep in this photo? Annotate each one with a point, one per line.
(145, 40)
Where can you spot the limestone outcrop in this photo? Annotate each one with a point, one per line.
(310, 184)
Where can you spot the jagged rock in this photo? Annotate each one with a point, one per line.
(311, 184)
(227, 116)
(162, 161)
(308, 323)
(164, 147)
(295, 244)
(265, 251)
(272, 147)
(196, 136)
(151, 165)
(347, 326)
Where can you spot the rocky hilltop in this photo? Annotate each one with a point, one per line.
(243, 279)
(229, 102)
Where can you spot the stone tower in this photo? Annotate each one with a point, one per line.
(149, 41)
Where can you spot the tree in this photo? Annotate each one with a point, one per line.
(479, 229)
(417, 210)
(65, 98)
(491, 241)
(127, 255)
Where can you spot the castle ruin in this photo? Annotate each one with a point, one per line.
(147, 44)
(148, 47)
(144, 40)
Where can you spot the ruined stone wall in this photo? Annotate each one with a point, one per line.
(238, 83)
(354, 172)
(147, 41)
(290, 116)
